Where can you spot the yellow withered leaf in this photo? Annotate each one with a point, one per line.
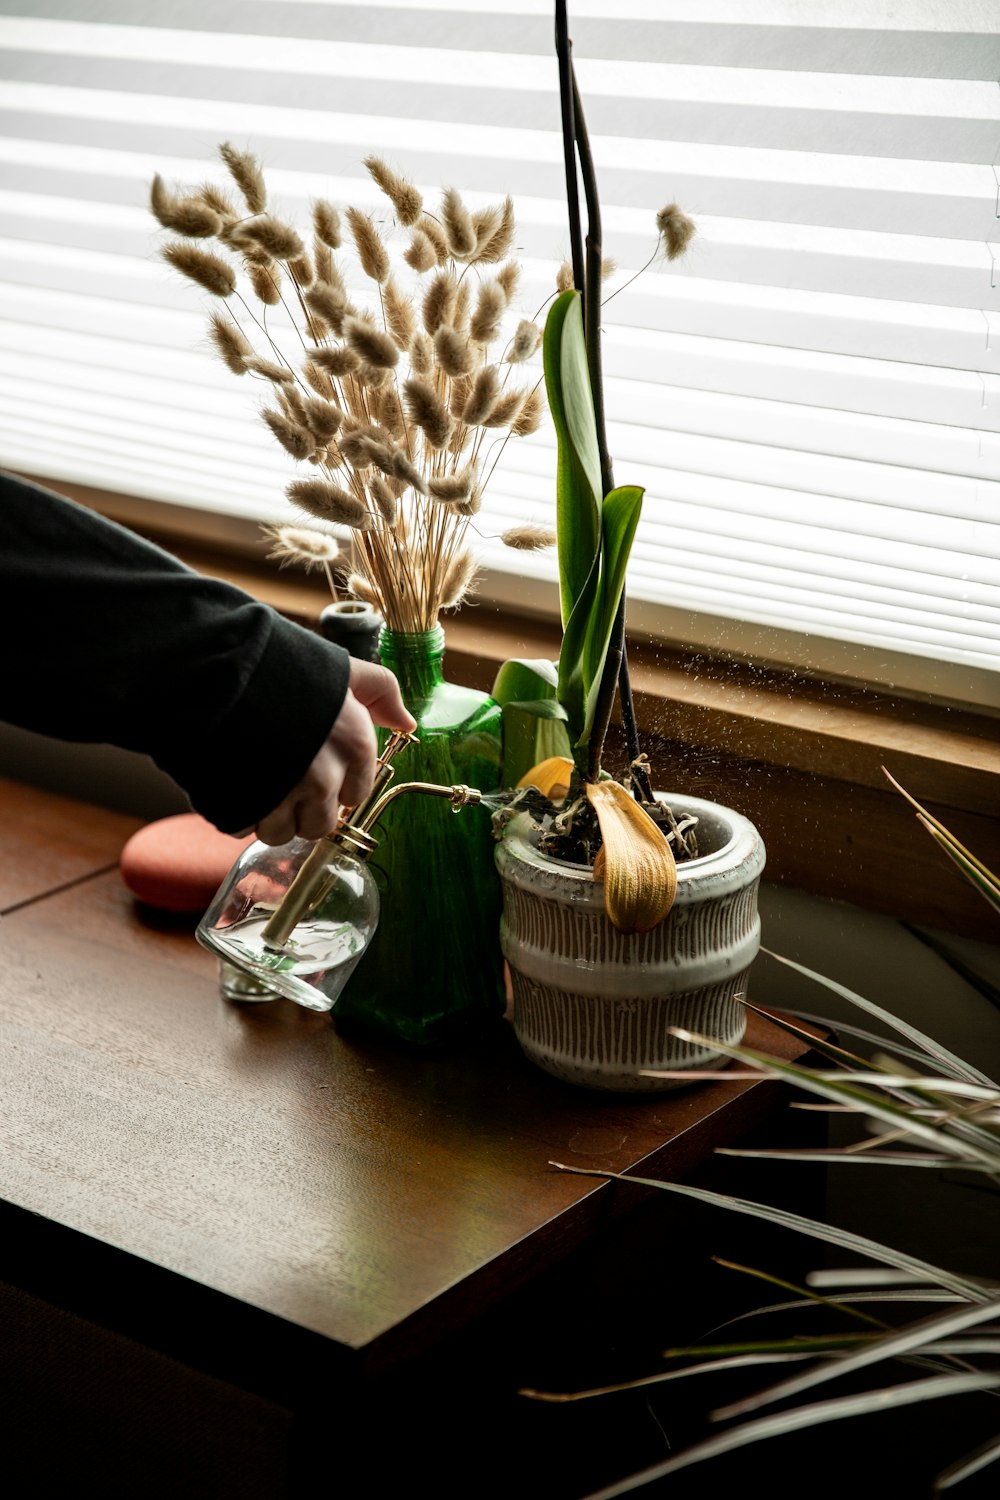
(550, 776)
(639, 869)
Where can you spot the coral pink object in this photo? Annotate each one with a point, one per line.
(178, 863)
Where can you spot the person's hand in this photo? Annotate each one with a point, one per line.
(344, 769)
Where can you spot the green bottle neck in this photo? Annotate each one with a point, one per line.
(415, 657)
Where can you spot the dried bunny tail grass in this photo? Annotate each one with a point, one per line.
(421, 354)
(439, 301)
(322, 260)
(370, 344)
(267, 233)
(364, 447)
(293, 403)
(428, 412)
(527, 338)
(339, 361)
(373, 377)
(460, 312)
(384, 499)
(460, 234)
(608, 267)
(317, 378)
(328, 302)
(191, 217)
(453, 350)
(452, 489)
(296, 440)
(406, 473)
(301, 270)
(404, 197)
(246, 172)
(430, 227)
(564, 277)
(399, 314)
(473, 505)
(528, 538)
(507, 410)
(676, 230)
(326, 224)
(482, 398)
(491, 305)
(458, 580)
(372, 253)
(387, 411)
(322, 418)
(271, 370)
(328, 502)
(529, 417)
(216, 200)
(502, 238)
(420, 253)
(361, 588)
(485, 223)
(302, 545)
(508, 277)
(231, 344)
(266, 282)
(208, 270)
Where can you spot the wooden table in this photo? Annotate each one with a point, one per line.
(239, 1248)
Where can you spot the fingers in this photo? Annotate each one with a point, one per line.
(378, 690)
(342, 773)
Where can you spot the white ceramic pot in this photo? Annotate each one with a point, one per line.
(594, 1006)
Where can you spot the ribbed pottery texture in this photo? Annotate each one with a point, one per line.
(594, 1006)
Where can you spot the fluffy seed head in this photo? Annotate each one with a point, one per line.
(370, 344)
(459, 231)
(499, 243)
(527, 338)
(266, 282)
(435, 233)
(191, 217)
(564, 277)
(296, 440)
(328, 502)
(246, 172)
(301, 270)
(360, 588)
(508, 277)
(372, 253)
(399, 314)
(271, 370)
(458, 580)
(403, 195)
(483, 397)
(426, 410)
(507, 410)
(267, 233)
(490, 308)
(322, 418)
(420, 253)
(209, 271)
(231, 345)
(421, 354)
(528, 538)
(529, 417)
(439, 301)
(329, 303)
(317, 378)
(302, 545)
(676, 230)
(385, 501)
(326, 224)
(451, 489)
(453, 351)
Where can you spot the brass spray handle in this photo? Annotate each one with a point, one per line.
(352, 833)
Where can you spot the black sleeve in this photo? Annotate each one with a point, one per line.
(109, 639)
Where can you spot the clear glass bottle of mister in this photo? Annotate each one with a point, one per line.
(297, 919)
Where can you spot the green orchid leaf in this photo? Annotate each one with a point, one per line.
(532, 732)
(524, 679)
(619, 519)
(578, 469)
(573, 655)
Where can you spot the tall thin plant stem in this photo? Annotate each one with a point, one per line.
(587, 278)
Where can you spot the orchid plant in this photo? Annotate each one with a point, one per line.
(557, 715)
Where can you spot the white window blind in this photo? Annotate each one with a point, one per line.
(810, 397)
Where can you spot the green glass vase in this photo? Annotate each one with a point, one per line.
(433, 972)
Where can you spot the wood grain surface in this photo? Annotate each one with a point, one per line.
(371, 1196)
(47, 841)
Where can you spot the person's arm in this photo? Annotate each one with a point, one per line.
(110, 639)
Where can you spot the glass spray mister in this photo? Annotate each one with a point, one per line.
(295, 920)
